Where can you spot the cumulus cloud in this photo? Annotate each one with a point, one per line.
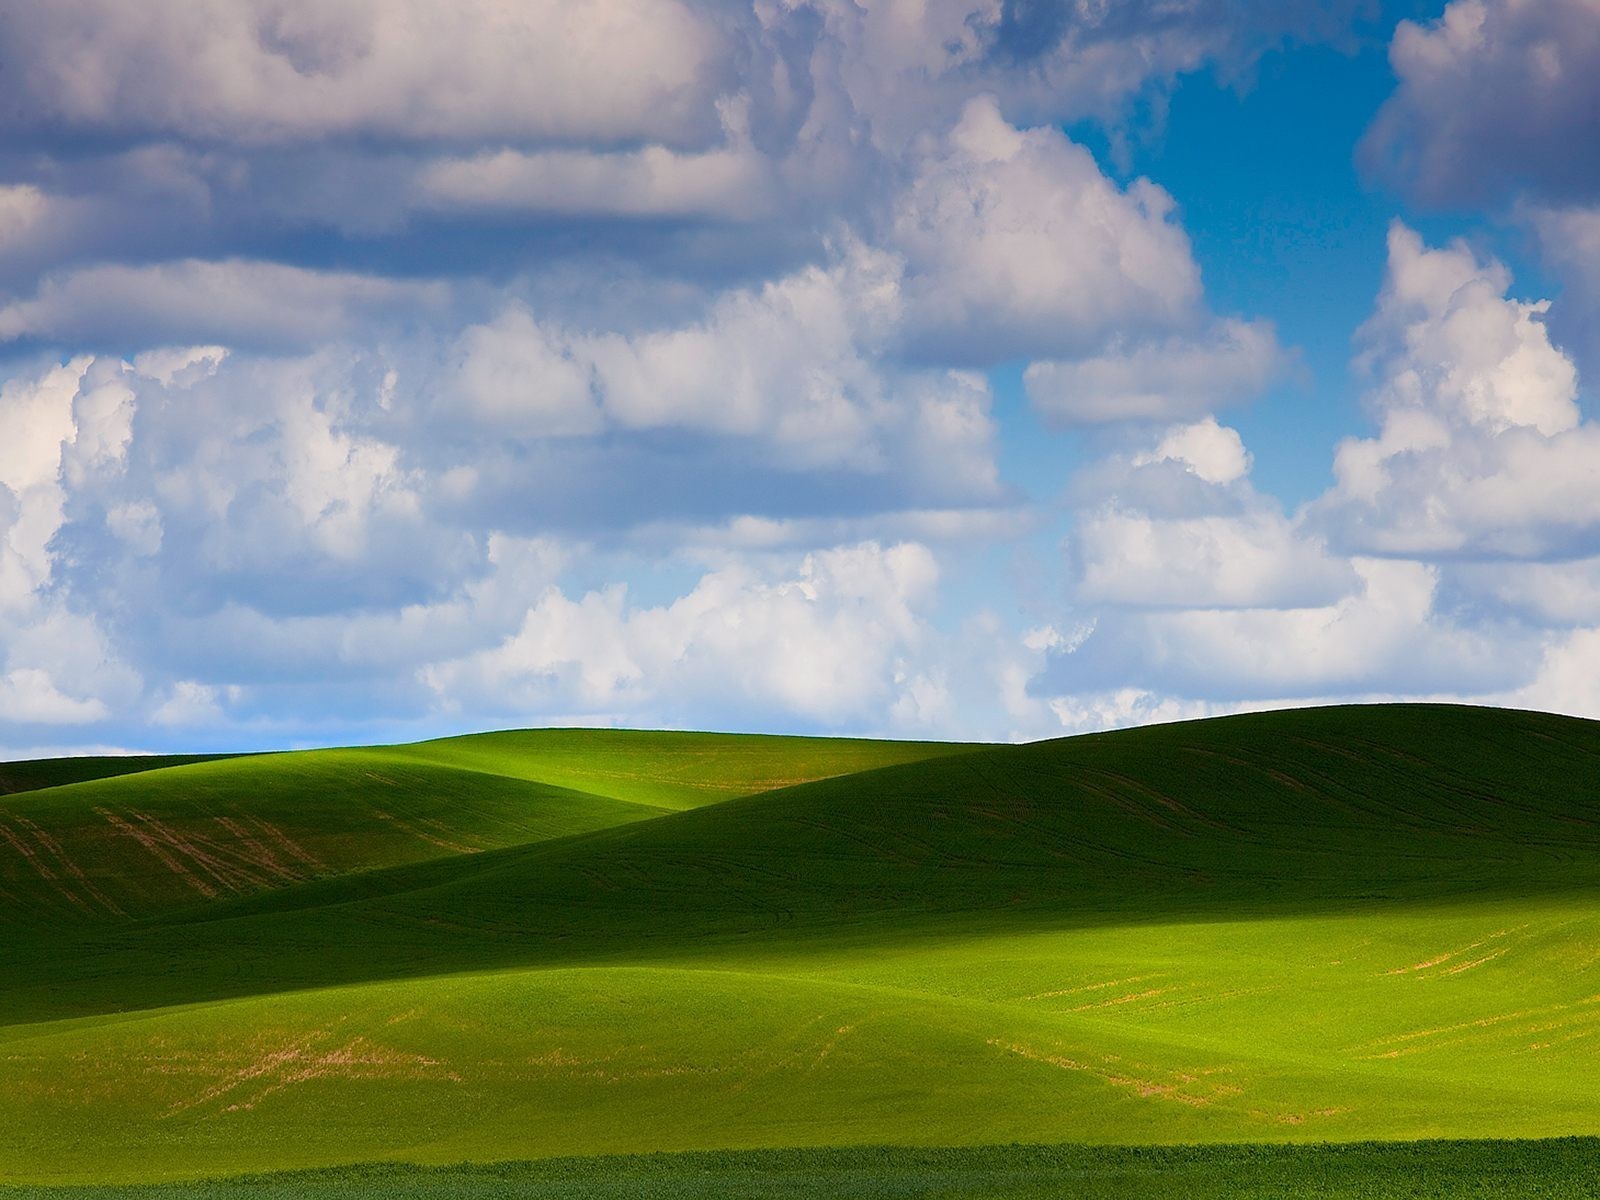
(1047, 63)
(1017, 243)
(1554, 594)
(1481, 450)
(1211, 451)
(1178, 525)
(1496, 106)
(1568, 238)
(408, 331)
(1199, 596)
(257, 71)
(240, 524)
(206, 480)
(1494, 96)
(1568, 677)
(56, 666)
(1384, 637)
(384, 120)
(1161, 379)
(827, 640)
(798, 366)
(519, 378)
(236, 302)
(1251, 560)
(729, 182)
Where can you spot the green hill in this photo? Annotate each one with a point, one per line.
(1325, 925)
(54, 772)
(141, 836)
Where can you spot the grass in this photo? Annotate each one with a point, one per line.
(1484, 1170)
(1333, 925)
(54, 772)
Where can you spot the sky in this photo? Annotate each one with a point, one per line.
(984, 369)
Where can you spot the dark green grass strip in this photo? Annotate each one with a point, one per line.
(1567, 1168)
(33, 774)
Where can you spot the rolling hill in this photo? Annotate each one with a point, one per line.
(1343, 924)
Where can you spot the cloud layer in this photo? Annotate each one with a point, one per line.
(373, 369)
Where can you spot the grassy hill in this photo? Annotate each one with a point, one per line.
(1327, 925)
(91, 839)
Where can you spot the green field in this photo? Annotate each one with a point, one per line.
(1342, 925)
(1476, 1170)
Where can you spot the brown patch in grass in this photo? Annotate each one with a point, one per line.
(1441, 959)
(300, 1060)
(260, 855)
(1476, 962)
(68, 864)
(839, 1035)
(290, 847)
(1110, 1071)
(1090, 987)
(159, 852)
(1417, 1040)
(1129, 998)
(32, 857)
(206, 854)
(423, 835)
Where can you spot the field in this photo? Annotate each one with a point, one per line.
(1184, 957)
(1476, 1170)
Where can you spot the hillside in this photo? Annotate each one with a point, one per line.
(1335, 924)
(89, 840)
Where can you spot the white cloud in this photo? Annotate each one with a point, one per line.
(709, 270)
(826, 640)
(1203, 595)
(1213, 452)
(1178, 526)
(262, 71)
(1383, 637)
(1569, 244)
(189, 704)
(1121, 708)
(519, 378)
(29, 696)
(1256, 559)
(265, 527)
(732, 182)
(214, 127)
(1567, 679)
(1559, 594)
(378, 647)
(58, 667)
(1016, 243)
(796, 366)
(168, 365)
(37, 418)
(233, 302)
(1480, 450)
(193, 479)
(1445, 338)
(1494, 95)
(980, 525)
(794, 359)
(904, 67)
(1172, 378)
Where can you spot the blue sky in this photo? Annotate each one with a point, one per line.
(947, 368)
